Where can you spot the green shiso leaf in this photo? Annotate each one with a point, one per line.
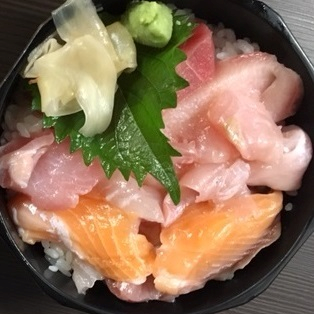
(34, 91)
(134, 143)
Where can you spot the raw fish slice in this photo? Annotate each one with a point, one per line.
(279, 88)
(246, 123)
(144, 201)
(107, 237)
(200, 63)
(60, 177)
(282, 98)
(57, 180)
(206, 145)
(209, 239)
(273, 234)
(137, 293)
(217, 182)
(18, 159)
(84, 275)
(287, 175)
(173, 211)
(248, 76)
(199, 67)
(33, 225)
(104, 236)
(204, 182)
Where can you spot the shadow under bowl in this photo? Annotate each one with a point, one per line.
(261, 24)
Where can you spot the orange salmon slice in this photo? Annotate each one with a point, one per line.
(209, 239)
(103, 235)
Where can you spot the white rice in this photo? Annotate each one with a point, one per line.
(19, 121)
(289, 207)
(228, 45)
(59, 257)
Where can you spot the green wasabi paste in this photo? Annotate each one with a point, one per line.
(150, 23)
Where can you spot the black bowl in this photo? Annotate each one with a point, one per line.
(248, 18)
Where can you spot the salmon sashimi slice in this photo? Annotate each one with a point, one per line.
(33, 224)
(208, 240)
(103, 235)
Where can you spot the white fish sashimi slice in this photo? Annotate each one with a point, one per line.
(217, 182)
(208, 182)
(247, 124)
(137, 293)
(19, 158)
(144, 201)
(84, 275)
(287, 175)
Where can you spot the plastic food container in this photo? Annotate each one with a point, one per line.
(260, 23)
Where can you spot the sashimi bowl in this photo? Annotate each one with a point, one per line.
(237, 27)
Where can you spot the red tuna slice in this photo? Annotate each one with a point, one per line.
(60, 177)
(200, 63)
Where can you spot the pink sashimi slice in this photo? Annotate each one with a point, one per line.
(280, 89)
(207, 145)
(208, 182)
(144, 201)
(217, 182)
(19, 157)
(287, 175)
(251, 78)
(137, 293)
(60, 177)
(54, 178)
(247, 124)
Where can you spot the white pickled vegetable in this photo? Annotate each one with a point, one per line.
(82, 74)
(76, 18)
(70, 80)
(49, 45)
(124, 46)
